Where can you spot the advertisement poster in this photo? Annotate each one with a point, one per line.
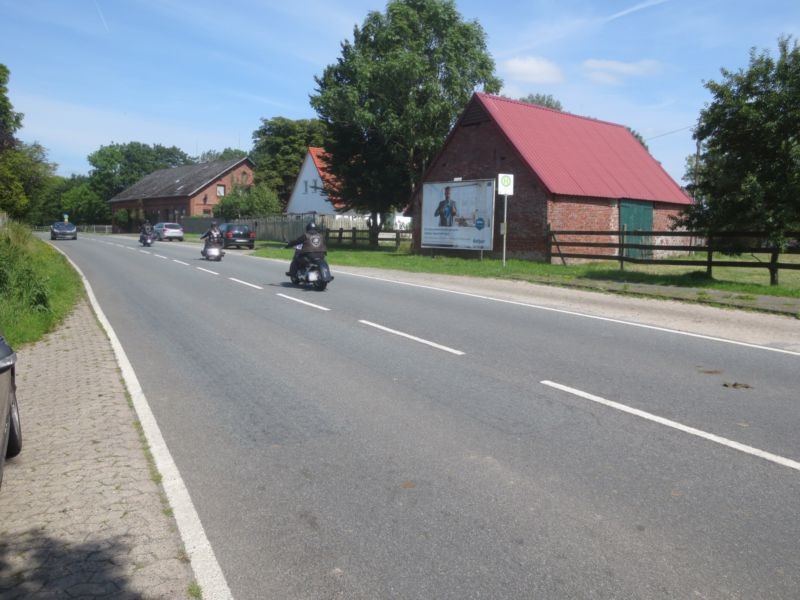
(458, 214)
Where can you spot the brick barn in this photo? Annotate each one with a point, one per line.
(189, 191)
(570, 172)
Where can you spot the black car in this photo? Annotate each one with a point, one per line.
(234, 234)
(63, 230)
(11, 441)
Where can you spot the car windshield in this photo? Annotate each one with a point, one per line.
(62, 225)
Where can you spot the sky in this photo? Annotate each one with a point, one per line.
(201, 75)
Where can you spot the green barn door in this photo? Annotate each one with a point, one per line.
(636, 216)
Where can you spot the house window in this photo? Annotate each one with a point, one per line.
(243, 177)
(305, 186)
(220, 190)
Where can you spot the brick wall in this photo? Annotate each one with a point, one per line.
(204, 201)
(480, 151)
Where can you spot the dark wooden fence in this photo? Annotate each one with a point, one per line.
(354, 237)
(666, 247)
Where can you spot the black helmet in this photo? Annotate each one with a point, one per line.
(213, 223)
(311, 226)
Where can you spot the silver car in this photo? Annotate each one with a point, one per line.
(11, 441)
(168, 231)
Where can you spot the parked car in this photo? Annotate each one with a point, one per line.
(63, 230)
(168, 231)
(234, 234)
(11, 440)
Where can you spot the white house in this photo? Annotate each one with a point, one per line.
(308, 194)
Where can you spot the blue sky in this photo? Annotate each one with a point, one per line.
(201, 75)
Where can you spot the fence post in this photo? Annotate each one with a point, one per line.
(354, 236)
(397, 240)
(621, 250)
(710, 257)
(548, 250)
(341, 233)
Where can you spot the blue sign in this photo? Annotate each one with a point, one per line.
(479, 223)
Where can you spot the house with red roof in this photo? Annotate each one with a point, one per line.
(570, 173)
(308, 194)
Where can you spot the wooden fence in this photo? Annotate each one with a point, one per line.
(638, 247)
(354, 237)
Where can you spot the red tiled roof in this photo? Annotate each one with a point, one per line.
(579, 156)
(328, 180)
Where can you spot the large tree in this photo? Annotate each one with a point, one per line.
(10, 120)
(279, 146)
(746, 174)
(118, 166)
(392, 97)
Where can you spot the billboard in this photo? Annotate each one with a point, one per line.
(458, 214)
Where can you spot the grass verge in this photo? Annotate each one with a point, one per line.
(745, 281)
(38, 287)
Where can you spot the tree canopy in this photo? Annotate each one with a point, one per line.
(214, 155)
(546, 100)
(391, 98)
(279, 146)
(747, 176)
(254, 201)
(118, 166)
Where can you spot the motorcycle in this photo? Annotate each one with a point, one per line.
(146, 239)
(213, 252)
(314, 272)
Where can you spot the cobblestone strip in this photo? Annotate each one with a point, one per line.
(80, 513)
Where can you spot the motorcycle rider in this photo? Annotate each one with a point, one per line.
(146, 229)
(213, 237)
(313, 246)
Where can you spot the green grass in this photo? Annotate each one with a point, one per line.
(746, 281)
(38, 287)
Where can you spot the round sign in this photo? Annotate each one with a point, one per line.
(479, 224)
(505, 180)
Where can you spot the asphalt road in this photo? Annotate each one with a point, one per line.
(381, 440)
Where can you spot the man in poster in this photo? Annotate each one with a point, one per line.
(446, 210)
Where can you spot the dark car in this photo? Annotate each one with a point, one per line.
(168, 231)
(11, 441)
(63, 230)
(234, 234)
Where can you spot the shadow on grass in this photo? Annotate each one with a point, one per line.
(690, 279)
(33, 565)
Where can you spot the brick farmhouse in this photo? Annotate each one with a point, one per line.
(188, 191)
(570, 172)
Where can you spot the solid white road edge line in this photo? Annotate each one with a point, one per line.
(780, 460)
(578, 314)
(204, 563)
(206, 270)
(252, 285)
(412, 337)
(302, 302)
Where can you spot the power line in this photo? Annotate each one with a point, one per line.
(668, 133)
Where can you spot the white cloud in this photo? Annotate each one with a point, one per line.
(613, 72)
(532, 69)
